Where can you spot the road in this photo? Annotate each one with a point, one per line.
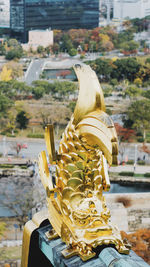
(34, 70)
(34, 147)
(63, 61)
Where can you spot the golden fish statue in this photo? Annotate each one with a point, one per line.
(76, 205)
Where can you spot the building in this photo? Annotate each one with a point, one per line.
(39, 38)
(26, 15)
(4, 13)
(131, 9)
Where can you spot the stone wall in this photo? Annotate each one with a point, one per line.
(134, 217)
(138, 218)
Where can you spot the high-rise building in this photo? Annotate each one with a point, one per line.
(4, 13)
(131, 9)
(28, 15)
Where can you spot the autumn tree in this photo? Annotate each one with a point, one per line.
(6, 74)
(16, 69)
(140, 242)
(18, 147)
(124, 134)
(63, 73)
(2, 229)
(144, 148)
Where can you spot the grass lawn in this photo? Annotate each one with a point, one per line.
(10, 253)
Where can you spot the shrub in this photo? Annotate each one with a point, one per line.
(147, 174)
(141, 162)
(140, 139)
(130, 162)
(72, 52)
(6, 166)
(10, 135)
(124, 200)
(126, 173)
(24, 167)
(35, 135)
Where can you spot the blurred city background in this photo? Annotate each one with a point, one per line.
(40, 41)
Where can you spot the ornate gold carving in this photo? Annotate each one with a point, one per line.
(76, 205)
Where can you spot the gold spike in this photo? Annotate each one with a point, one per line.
(49, 138)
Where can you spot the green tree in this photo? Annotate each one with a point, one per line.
(146, 94)
(103, 68)
(72, 105)
(40, 49)
(5, 104)
(22, 119)
(147, 60)
(133, 91)
(72, 52)
(139, 114)
(2, 50)
(126, 68)
(130, 46)
(48, 87)
(38, 92)
(66, 43)
(14, 53)
(2, 229)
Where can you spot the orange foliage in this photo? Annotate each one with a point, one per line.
(140, 242)
(124, 134)
(145, 148)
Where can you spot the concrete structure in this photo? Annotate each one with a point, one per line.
(39, 37)
(131, 9)
(4, 13)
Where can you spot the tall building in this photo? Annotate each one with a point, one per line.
(4, 13)
(28, 15)
(131, 8)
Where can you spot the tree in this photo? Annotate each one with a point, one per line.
(133, 91)
(124, 134)
(63, 73)
(146, 94)
(5, 75)
(138, 82)
(140, 242)
(14, 53)
(126, 68)
(147, 60)
(22, 119)
(130, 46)
(139, 114)
(18, 147)
(103, 68)
(72, 105)
(11, 123)
(2, 229)
(66, 43)
(5, 104)
(16, 69)
(72, 52)
(38, 92)
(144, 148)
(40, 49)
(2, 50)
